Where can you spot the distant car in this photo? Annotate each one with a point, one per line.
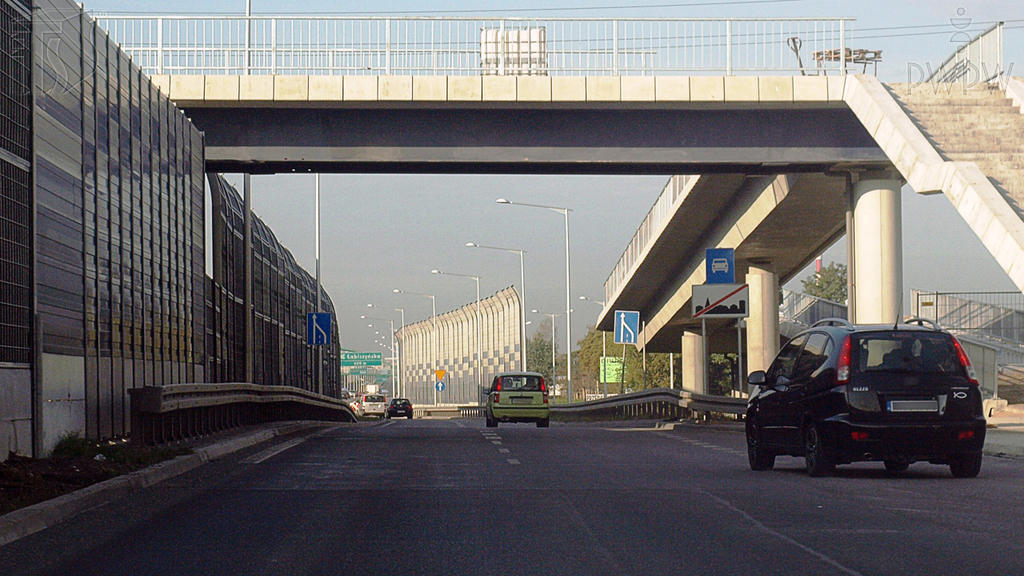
(400, 407)
(372, 405)
(839, 393)
(518, 397)
(719, 265)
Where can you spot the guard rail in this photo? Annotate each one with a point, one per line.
(162, 414)
(654, 403)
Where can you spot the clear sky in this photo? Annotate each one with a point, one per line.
(386, 232)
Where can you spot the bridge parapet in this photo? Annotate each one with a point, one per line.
(334, 45)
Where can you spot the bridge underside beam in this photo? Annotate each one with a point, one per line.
(536, 140)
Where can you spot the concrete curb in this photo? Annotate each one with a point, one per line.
(31, 519)
(1004, 450)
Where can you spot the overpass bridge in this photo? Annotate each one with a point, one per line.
(776, 161)
(781, 165)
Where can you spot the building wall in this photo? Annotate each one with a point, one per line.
(283, 293)
(16, 351)
(457, 349)
(119, 264)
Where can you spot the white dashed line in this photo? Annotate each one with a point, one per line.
(498, 442)
(503, 450)
(513, 461)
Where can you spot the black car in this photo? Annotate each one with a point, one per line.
(400, 407)
(839, 393)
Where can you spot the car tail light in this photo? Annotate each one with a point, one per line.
(859, 435)
(972, 376)
(497, 397)
(544, 390)
(965, 435)
(498, 386)
(843, 366)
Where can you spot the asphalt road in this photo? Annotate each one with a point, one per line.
(454, 497)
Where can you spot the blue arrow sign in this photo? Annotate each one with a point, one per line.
(318, 329)
(627, 327)
(439, 386)
(720, 265)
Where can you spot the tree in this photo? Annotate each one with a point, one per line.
(538, 350)
(829, 284)
(587, 362)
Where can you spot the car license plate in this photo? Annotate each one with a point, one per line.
(522, 400)
(913, 406)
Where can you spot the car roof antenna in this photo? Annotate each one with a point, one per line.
(899, 311)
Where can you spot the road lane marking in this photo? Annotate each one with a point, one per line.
(496, 442)
(386, 424)
(757, 524)
(513, 461)
(503, 450)
(271, 452)
(457, 423)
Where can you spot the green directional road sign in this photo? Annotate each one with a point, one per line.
(611, 369)
(362, 359)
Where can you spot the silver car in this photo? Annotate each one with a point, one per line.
(373, 405)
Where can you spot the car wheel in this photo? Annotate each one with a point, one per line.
(896, 465)
(965, 465)
(757, 454)
(491, 422)
(409, 415)
(819, 462)
(543, 423)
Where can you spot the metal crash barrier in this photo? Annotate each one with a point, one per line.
(162, 414)
(655, 403)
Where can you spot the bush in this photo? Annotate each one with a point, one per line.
(72, 445)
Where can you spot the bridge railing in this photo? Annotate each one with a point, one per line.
(472, 46)
(162, 414)
(649, 230)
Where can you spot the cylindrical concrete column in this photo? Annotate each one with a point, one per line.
(693, 363)
(878, 251)
(763, 323)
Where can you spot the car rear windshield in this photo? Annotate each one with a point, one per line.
(374, 398)
(521, 383)
(904, 352)
(401, 402)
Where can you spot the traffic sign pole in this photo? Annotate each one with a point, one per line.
(704, 353)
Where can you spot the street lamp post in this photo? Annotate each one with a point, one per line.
(568, 289)
(394, 367)
(401, 350)
(433, 324)
(479, 347)
(604, 350)
(522, 302)
(554, 370)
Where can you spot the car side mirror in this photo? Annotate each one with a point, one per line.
(756, 378)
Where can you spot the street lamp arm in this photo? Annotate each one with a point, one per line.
(555, 208)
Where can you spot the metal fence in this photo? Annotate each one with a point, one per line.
(470, 46)
(806, 309)
(993, 315)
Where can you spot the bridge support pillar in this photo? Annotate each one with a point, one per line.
(763, 323)
(877, 239)
(693, 363)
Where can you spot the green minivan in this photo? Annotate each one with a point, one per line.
(518, 397)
